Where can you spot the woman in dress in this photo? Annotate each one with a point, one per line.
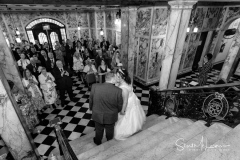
(204, 69)
(23, 62)
(59, 54)
(115, 59)
(47, 85)
(132, 116)
(102, 70)
(31, 84)
(78, 65)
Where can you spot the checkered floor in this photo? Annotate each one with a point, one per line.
(212, 78)
(76, 118)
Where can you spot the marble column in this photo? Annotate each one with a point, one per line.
(176, 33)
(128, 38)
(232, 58)
(8, 63)
(206, 45)
(11, 129)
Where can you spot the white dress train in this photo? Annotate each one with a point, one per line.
(133, 119)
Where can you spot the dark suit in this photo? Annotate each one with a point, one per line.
(33, 70)
(69, 56)
(105, 43)
(105, 102)
(98, 60)
(64, 83)
(50, 66)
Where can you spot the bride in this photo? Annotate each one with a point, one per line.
(132, 116)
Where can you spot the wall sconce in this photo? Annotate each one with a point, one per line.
(17, 32)
(101, 32)
(195, 29)
(79, 26)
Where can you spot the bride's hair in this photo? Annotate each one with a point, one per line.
(124, 74)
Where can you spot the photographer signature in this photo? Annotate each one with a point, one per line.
(203, 145)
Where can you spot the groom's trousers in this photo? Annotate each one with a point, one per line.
(109, 128)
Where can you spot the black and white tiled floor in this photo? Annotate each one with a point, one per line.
(212, 78)
(75, 116)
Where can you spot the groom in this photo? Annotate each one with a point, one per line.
(105, 103)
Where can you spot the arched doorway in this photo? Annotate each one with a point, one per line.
(46, 30)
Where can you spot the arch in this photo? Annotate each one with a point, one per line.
(227, 24)
(38, 20)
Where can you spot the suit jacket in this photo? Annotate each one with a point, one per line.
(63, 82)
(49, 66)
(35, 72)
(98, 60)
(105, 102)
(69, 52)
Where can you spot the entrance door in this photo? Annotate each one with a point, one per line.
(50, 36)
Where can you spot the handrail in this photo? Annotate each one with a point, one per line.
(199, 87)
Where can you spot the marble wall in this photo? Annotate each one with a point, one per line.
(9, 22)
(151, 29)
(11, 129)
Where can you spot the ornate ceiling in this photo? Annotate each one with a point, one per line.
(71, 5)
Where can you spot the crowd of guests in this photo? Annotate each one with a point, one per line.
(46, 73)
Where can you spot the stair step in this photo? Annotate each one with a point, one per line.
(126, 145)
(177, 129)
(211, 134)
(225, 148)
(153, 121)
(131, 140)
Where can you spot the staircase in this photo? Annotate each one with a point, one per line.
(165, 139)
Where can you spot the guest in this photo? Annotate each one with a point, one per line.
(204, 69)
(47, 85)
(46, 47)
(69, 54)
(44, 58)
(22, 63)
(16, 53)
(63, 49)
(27, 108)
(95, 51)
(33, 67)
(104, 43)
(31, 84)
(99, 58)
(51, 62)
(116, 59)
(35, 57)
(78, 65)
(59, 54)
(78, 48)
(89, 68)
(64, 81)
(38, 46)
(103, 70)
(75, 41)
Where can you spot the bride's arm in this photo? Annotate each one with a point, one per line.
(125, 100)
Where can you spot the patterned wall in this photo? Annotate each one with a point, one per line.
(9, 22)
(191, 51)
(151, 29)
(155, 58)
(143, 57)
(143, 21)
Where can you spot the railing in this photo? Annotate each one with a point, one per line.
(65, 149)
(210, 103)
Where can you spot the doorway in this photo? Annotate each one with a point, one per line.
(46, 30)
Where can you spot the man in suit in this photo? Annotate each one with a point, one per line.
(105, 102)
(33, 67)
(63, 81)
(69, 54)
(104, 44)
(51, 62)
(99, 58)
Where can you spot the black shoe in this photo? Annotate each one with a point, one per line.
(97, 143)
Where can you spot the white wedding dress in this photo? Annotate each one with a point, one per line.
(133, 119)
